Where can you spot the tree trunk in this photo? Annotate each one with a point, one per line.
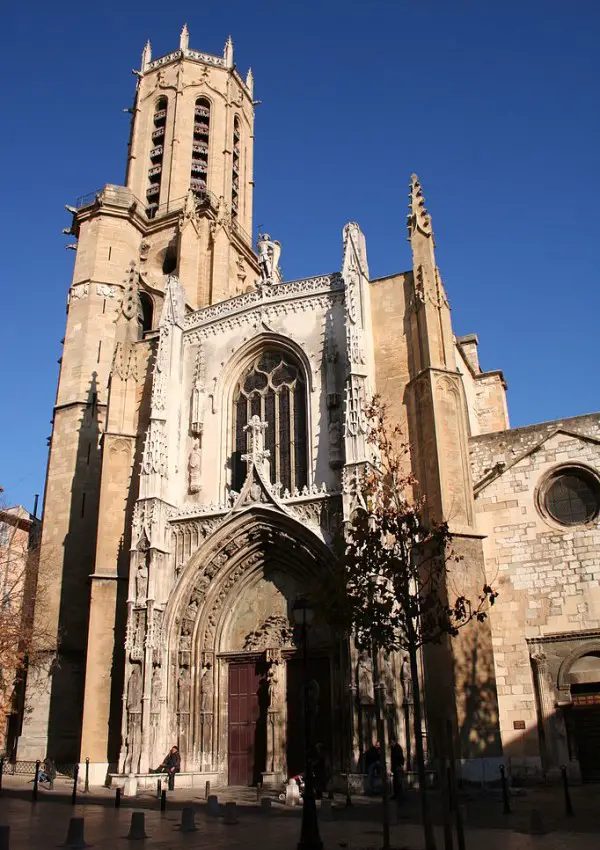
(383, 753)
(419, 755)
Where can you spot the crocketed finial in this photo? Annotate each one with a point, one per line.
(184, 38)
(418, 218)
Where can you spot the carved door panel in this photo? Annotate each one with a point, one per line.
(319, 670)
(245, 746)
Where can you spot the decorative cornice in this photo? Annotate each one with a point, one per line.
(186, 53)
(277, 298)
(212, 509)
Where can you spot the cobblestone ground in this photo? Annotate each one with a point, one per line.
(44, 824)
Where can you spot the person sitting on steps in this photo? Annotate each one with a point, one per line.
(171, 765)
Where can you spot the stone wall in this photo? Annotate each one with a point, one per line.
(547, 575)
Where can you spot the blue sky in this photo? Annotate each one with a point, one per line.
(493, 103)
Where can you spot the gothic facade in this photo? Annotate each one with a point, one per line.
(207, 431)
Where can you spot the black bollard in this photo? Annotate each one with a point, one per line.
(447, 810)
(36, 776)
(163, 801)
(207, 789)
(4, 837)
(505, 797)
(568, 805)
(75, 778)
(86, 787)
(1, 773)
(118, 798)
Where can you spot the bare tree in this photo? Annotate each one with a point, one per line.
(397, 575)
(20, 643)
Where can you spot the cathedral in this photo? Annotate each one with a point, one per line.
(208, 426)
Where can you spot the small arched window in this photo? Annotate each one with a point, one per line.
(199, 170)
(235, 176)
(157, 149)
(146, 312)
(273, 388)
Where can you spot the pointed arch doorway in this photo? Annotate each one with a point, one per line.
(232, 623)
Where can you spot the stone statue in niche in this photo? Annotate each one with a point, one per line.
(406, 679)
(273, 687)
(156, 682)
(206, 689)
(365, 679)
(335, 444)
(388, 680)
(333, 397)
(134, 691)
(141, 580)
(194, 467)
(183, 691)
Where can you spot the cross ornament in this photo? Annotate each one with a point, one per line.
(257, 454)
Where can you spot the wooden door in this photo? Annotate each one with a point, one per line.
(245, 746)
(586, 726)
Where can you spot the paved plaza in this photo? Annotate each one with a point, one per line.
(44, 824)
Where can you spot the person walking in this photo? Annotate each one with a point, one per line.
(397, 760)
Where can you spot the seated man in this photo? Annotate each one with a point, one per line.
(170, 765)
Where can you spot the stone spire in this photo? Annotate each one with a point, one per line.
(184, 38)
(146, 55)
(435, 329)
(228, 52)
(418, 218)
(250, 81)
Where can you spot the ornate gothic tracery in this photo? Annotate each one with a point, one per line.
(273, 388)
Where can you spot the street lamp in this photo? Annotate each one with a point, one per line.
(309, 834)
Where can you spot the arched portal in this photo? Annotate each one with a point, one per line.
(579, 676)
(234, 695)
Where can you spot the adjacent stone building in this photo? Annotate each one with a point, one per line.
(208, 426)
(19, 540)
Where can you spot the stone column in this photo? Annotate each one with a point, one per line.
(546, 708)
(276, 679)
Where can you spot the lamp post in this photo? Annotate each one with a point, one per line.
(309, 834)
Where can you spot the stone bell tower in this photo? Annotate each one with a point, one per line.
(190, 168)
(185, 209)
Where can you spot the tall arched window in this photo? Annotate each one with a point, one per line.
(199, 171)
(235, 176)
(159, 123)
(272, 387)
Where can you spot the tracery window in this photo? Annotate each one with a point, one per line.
(272, 387)
(159, 122)
(199, 168)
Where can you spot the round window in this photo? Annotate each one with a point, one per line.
(572, 497)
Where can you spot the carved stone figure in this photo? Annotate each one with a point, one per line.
(273, 687)
(141, 581)
(183, 691)
(134, 691)
(194, 466)
(206, 689)
(156, 683)
(388, 680)
(268, 257)
(406, 679)
(365, 679)
(333, 396)
(335, 444)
